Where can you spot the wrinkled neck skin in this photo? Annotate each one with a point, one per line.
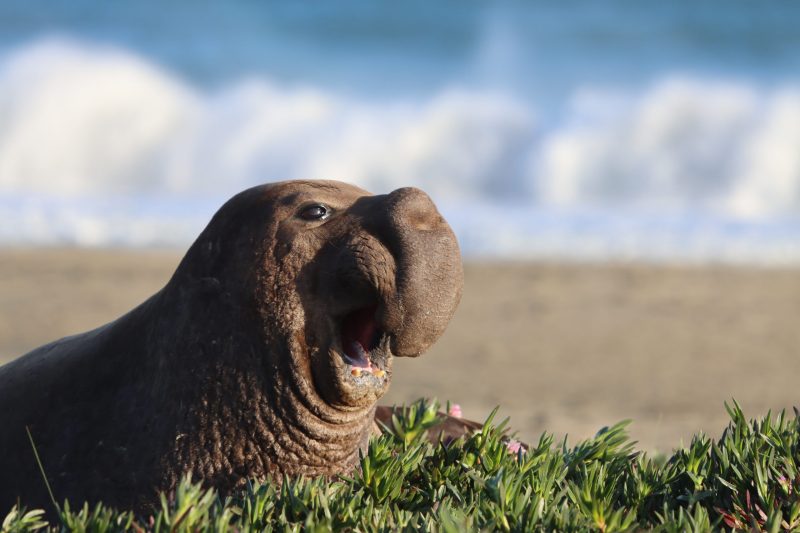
(251, 403)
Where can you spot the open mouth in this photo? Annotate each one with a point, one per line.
(361, 341)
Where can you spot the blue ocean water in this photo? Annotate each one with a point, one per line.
(573, 129)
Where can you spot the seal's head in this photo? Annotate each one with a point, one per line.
(343, 280)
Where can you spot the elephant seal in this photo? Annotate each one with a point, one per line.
(263, 355)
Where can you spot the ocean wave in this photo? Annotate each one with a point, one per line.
(82, 120)
(89, 134)
(681, 144)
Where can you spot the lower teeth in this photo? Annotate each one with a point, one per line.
(358, 370)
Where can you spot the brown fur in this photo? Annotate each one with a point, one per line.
(233, 370)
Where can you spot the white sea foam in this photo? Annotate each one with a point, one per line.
(682, 144)
(77, 120)
(100, 146)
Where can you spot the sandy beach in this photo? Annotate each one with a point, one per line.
(563, 348)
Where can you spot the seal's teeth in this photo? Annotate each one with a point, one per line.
(357, 371)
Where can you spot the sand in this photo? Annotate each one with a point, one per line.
(563, 348)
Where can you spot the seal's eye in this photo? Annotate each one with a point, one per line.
(314, 212)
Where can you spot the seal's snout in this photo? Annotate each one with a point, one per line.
(428, 275)
(386, 277)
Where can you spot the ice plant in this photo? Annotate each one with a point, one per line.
(746, 480)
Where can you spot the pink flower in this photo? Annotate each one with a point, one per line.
(513, 446)
(455, 410)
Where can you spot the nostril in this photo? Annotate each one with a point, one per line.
(422, 221)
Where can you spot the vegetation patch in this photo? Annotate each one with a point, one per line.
(748, 479)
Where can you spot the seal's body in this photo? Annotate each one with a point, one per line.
(265, 353)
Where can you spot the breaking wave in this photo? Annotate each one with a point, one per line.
(100, 146)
